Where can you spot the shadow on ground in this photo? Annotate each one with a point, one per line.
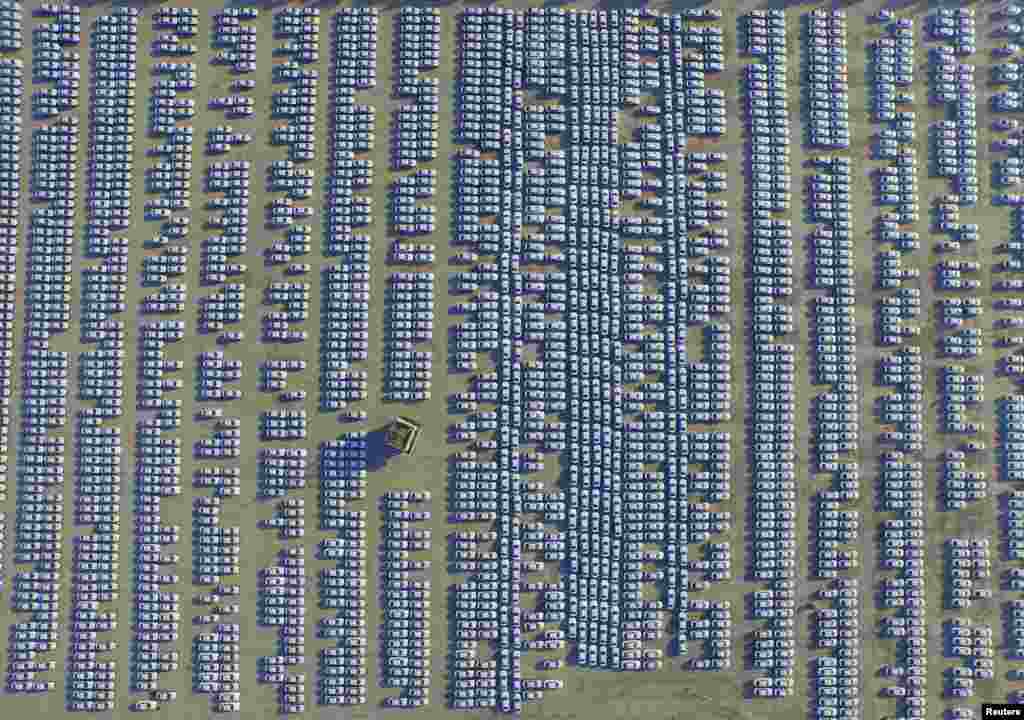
(378, 452)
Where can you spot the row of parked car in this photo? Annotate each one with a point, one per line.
(226, 306)
(405, 634)
(158, 450)
(415, 135)
(902, 484)
(410, 323)
(414, 141)
(39, 527)
(1006, 172)
(836, 436)
(773, 403)
(483, 613)
(410, 217)
(343, 478)
(346, 285)
(10, 192)
(698, 299)
(52, 62)
(283, 605)
(1010, 420)
(11, 36)
(967, 560)
(826, 81)
(217, 548)
(956, 140)
(235, 38)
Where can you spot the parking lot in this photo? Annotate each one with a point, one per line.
(708, 321)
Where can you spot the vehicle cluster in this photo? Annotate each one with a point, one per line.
(44, 370)
(236, 41)
(406, 598)
(773, 362)
(833, 333)
(342, 670)
(411, 323)
(418, 41)
(589, 266)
